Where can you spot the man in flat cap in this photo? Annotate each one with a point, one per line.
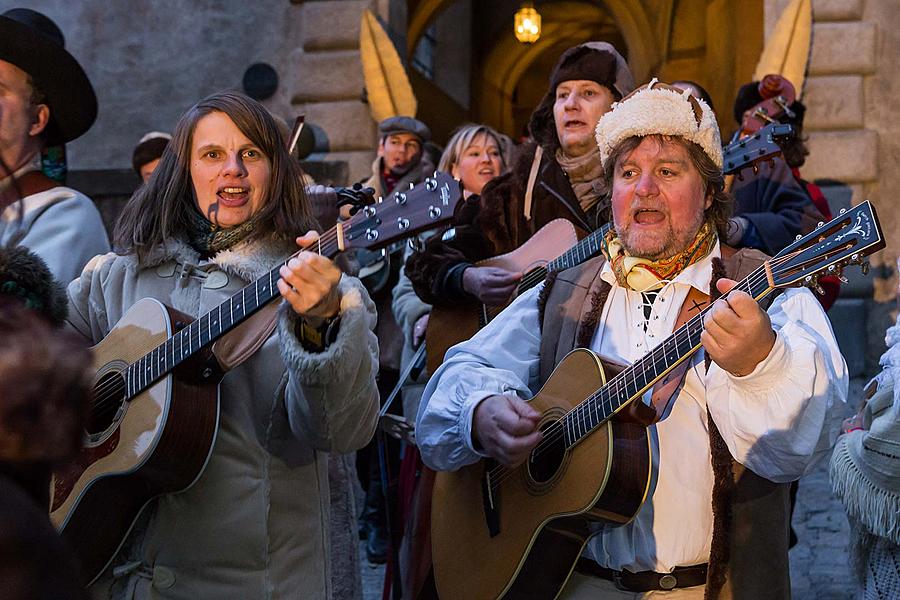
(48, 101)
(399, 163)
(399, 154)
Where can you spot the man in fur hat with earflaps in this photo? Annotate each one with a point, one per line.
(753, 408)
(48, 100)
(558, 175)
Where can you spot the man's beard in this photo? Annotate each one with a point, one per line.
(669, 244)
(403, 169)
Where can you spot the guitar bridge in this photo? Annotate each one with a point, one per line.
(489, 501)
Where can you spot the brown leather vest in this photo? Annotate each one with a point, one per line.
(751, 514)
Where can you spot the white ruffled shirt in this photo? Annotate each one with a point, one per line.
(778, 421)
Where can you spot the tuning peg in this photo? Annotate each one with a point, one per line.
(820, 224)
(843, 279)
(865, 268)
(411, 185)
(842, 211)
(799, 237)
(434, 174)
(380, 199)
(819, 289)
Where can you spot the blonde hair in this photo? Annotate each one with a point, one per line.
(462, 138)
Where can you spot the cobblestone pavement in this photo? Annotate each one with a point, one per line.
(819, 564)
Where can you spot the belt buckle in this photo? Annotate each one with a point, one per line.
(668, 582)
(617, 581)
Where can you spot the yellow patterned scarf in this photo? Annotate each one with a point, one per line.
(644, 275)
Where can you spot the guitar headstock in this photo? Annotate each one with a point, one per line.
(753, 149)
(845, 240)
(404, 213)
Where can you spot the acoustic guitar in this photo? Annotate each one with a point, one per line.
(555, 246)
(155, 405)
(518, 533)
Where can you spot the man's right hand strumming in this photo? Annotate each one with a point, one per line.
(505, 427)
(491, 285)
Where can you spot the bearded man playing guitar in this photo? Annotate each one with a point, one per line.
(745, 415)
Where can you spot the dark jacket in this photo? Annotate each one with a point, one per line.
(775, 205)
(495, 223)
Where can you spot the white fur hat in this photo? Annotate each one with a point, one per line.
(660, 109)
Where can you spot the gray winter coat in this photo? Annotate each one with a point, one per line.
(255, 524)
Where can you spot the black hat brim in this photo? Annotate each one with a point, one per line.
(56, 73)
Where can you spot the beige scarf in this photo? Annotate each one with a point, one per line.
(585, 176)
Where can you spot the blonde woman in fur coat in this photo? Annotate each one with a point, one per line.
(224, 207)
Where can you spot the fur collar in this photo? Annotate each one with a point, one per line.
(249, 259)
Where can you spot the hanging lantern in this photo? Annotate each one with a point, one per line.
(528, 24)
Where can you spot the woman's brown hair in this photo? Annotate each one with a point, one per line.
(160, 209)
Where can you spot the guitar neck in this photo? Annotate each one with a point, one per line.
(209, 327)
(586, 248)
(632, 382)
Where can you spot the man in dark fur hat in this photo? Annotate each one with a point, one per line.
(48, 101)
(558, 175)
(748, 413)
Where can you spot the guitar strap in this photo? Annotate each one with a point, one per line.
(532, 177)
(667, 388)
(243, 341)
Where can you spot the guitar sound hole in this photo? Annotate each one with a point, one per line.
(108, 396)
(546, 459)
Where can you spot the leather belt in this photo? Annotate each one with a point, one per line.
(645, 581)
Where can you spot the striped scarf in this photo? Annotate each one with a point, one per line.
(208, 239)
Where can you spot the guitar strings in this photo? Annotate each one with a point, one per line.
(582, 410)
(114, 389)
(612, 391)
(617, 384)
(111, 391)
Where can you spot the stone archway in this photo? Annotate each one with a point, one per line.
(564, 25)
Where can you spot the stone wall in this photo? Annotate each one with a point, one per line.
(328, 82)
(853, 132)
(150, 61)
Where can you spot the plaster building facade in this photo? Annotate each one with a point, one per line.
(151, 59)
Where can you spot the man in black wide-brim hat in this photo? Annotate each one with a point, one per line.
(47, 100)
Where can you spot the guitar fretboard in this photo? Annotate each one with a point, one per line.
(586, 248)
(145, 371)
(640, 376)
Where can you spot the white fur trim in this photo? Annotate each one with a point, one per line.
(650, 111)
(875, 507)
(355, 337)
(248, 260)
